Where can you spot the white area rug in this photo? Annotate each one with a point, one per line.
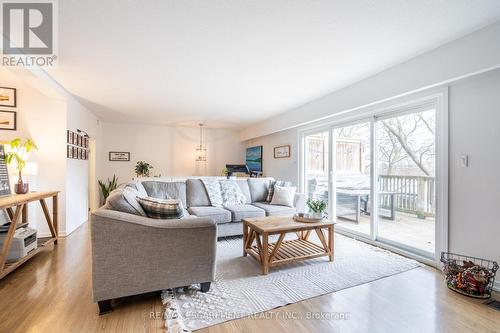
(240, 290)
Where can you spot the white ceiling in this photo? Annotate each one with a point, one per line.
(232, 63)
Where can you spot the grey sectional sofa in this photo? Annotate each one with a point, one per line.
(133, 254)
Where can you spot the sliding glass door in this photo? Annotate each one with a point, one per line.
(351, 175)
(406, 180)
(379, 177)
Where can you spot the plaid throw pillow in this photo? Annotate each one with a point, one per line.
(274, 183)
(162, 208)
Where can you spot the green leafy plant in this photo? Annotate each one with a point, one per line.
(18, 152)
(142, 169)
(108, 187)
(317, 206)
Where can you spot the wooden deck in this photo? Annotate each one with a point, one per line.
(406, 229)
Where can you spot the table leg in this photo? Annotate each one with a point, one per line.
(358, 208)
(55, 209)
(265, 254)
(331, 237)
(24, 217)
(245, 237)
(10, 236)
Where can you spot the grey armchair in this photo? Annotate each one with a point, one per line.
(133, 254)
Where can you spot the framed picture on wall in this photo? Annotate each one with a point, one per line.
(8, 97)
(119, 156)
(8, 120)
(282, 151)
(254, 158)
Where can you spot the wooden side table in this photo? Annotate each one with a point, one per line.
(285, 251)
(16, 206)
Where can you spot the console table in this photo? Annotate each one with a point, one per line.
(16, 206)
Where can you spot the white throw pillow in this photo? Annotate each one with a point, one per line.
(284, 196)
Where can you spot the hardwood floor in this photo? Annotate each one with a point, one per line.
(52, 293)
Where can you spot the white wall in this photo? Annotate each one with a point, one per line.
(171, 150)
(43, 119)
(44, 112)
(279, 168)
(474, 192)
(77, 171)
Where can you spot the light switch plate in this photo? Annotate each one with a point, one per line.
(463, 161)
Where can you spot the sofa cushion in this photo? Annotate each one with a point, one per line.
(137, 185)
(240, 212)
(124, 200)
(259, 188)
(214, 191)
(231, 192)
(243, 184)
(218, 214)
(273, 210)
(166, 190)
(283, 196)
(196, 193)
(162, 208)
(273, 184)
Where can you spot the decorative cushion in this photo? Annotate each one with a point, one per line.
(245, 189)
(274, 183)
(240, 212)
(231, 192)
(274, 210)
(218, 214)
(162, 208)
(124, 200)
(259, 188)
(136, 185)
(165, 190)
(214, 193)
(196, 193)
(283, 196)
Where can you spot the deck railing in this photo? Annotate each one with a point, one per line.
(415, 194)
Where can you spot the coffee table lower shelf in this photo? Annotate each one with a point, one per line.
(289, 251)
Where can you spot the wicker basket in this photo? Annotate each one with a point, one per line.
(469, 276)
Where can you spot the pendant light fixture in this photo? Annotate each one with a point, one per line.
(201, 151)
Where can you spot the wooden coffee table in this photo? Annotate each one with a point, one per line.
(256, 233)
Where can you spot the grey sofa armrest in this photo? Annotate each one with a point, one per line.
(299, 202)
(134, 254)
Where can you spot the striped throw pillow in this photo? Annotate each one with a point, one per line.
(162, 208)
(274, 183)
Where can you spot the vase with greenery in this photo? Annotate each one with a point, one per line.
(317, 207)
(17, 154)
(107, 187)
(143, 169)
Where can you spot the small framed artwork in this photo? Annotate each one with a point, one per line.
(8, 97)
(69, 137)
(119, 156)
(8, 120)
(282, 151)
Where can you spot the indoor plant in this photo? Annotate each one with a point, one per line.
(142, 169)
(18, 153)
(108, 187)
(317, 207)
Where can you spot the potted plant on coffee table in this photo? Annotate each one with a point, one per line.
(316, 207)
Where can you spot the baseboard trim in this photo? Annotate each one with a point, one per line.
(48, 234)
(496, 286)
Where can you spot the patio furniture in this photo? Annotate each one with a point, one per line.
(355, 201)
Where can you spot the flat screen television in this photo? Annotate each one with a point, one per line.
(254, 158)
